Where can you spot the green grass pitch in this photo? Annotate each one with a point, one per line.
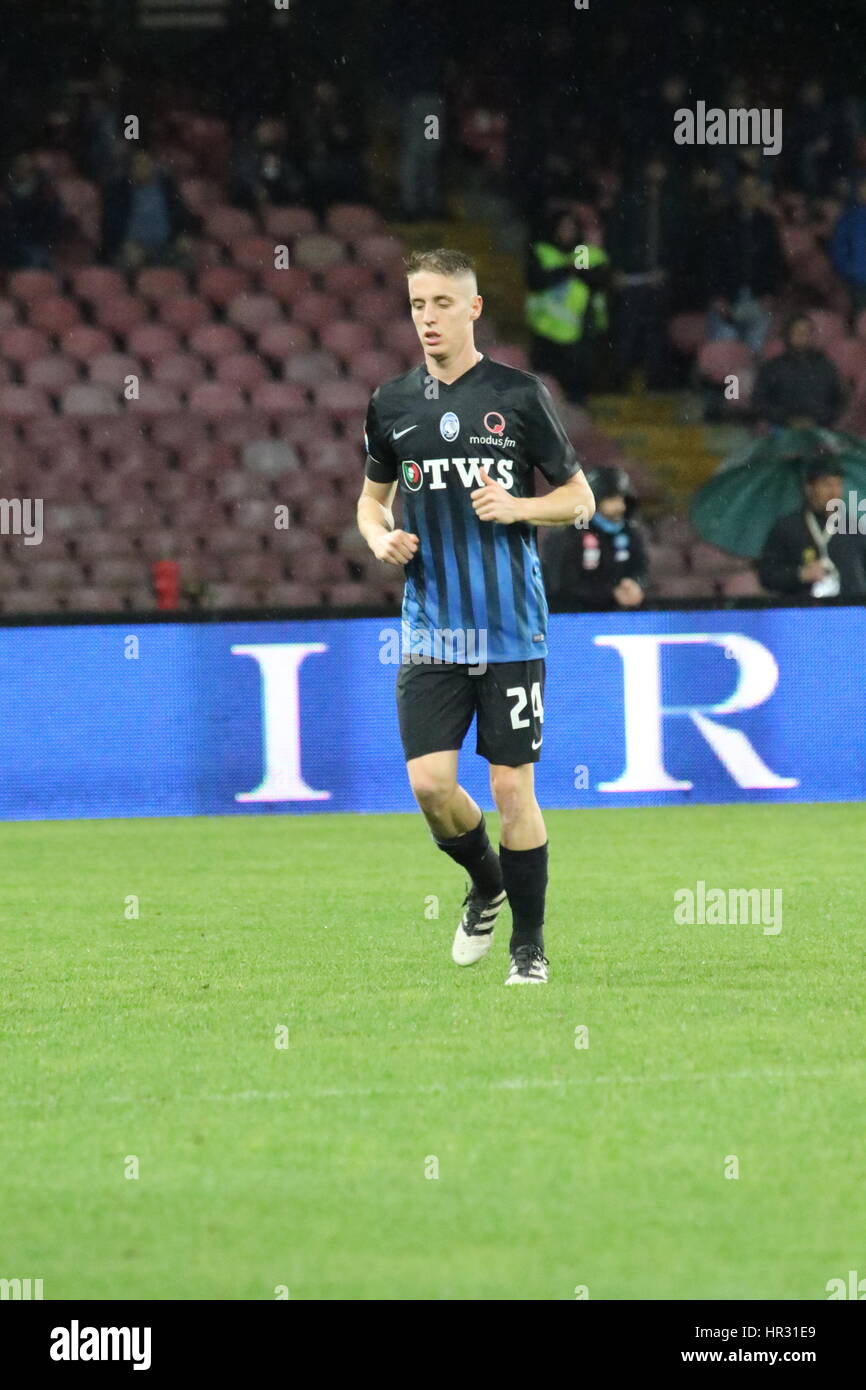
(308, 1166)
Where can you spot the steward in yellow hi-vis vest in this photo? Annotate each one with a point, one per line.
(566, 306)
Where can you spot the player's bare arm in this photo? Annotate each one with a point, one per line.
(376, 524)
(561, 507)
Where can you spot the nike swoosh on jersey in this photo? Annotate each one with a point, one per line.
(395, 435)
(539, 743)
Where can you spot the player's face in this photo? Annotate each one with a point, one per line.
(444, 307)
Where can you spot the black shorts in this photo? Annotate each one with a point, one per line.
(436, 702)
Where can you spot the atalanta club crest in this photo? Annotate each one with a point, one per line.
(412, 475)
(449, 427)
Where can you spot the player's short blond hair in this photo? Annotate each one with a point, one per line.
(441, 261)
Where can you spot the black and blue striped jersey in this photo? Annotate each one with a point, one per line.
(433, 439)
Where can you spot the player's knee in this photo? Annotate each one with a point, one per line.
(431, 790)
(511, 792)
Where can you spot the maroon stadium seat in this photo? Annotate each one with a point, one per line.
(312, 309)
(849, 357)
(289, 222)
(52, 373)
(379, 251)
(110, 368)
(22, 344)
(184, 314)
(286, 286)
(214, 340)
(279, 398)
(182, 370)
(708, 559)
(222, 284)
(159, 283)
(253, 312)
(317, 251)
(90, 400)
(120, 313)
(155, 398)
(83, 342)
(721, 359)
(346, 337)
(254, 253)
(97, 282)
(351, 221)
(114, 435)
(152, 341)
(745, 584)
(180, 432)
(278, 341)
(216, 399)
(54, 315)
(23, 402)
(344, 399)
(347, 279)
(380, 308)
(311, 368)
(28, 286)
(225, 224)
(240, 369)
(375, 366)
(829, 327)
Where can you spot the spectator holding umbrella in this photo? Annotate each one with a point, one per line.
(805, 553)
(602, 565)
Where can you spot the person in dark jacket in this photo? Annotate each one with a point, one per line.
(602, 565)
(144, 218)
(848, 247)
(806, 553)
(30, 216)
(746, 267)
(801, 387)
(645, 237)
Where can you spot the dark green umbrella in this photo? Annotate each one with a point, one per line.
(738, 507)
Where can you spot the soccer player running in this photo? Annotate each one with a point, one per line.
(460, 437)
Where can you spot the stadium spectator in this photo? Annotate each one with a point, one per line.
(804, 555)
(264, 170)
(746, 267)
(566, 305)
(643, 242)
(144, 218)
(801, 387)
(332, 141)
(30, 216)
(848, 247)
(818, 141)
(416, 46)
(602, 565)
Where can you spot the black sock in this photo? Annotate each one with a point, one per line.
(474, 852)
(524, 873)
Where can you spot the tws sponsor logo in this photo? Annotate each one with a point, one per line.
(469, 470)
(76, 1343)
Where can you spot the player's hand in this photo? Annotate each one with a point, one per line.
(493, 503)
(395, 547)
